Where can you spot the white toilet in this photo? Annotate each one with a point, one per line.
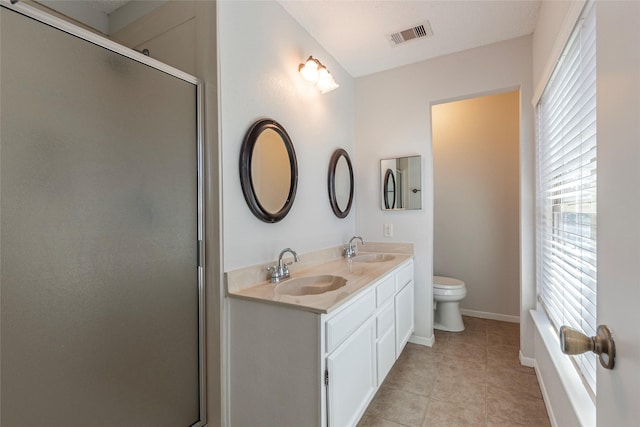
(447, 294)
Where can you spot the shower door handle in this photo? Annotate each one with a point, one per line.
(575, 342)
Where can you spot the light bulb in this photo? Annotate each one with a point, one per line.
(326, 83)
(323, 73)
(309, 70)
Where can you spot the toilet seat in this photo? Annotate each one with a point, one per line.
(448, 283)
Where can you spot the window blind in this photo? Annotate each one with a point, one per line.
(566, 190)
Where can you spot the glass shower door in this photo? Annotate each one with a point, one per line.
(99, 278)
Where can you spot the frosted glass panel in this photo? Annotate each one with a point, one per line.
(98, 232)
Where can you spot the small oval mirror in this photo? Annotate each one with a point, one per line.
(340, 183)
(389, 190)
(268, 170)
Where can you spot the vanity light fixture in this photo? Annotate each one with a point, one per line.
(315, 72)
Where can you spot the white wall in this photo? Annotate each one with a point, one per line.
(393, 118)
(260, 47)
(476, 218)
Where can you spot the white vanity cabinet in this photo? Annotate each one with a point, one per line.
(291, 367)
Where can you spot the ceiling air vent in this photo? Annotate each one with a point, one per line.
(417, 32)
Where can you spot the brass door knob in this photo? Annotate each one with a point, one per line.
(575, 342)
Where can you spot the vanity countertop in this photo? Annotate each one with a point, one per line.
(359, 276)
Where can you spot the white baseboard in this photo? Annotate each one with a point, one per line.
(422, 340)
(491, 316)
(527, 361)
(545, 395)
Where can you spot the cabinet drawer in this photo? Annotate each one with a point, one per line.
(404, 276)
(384, 291)
(385, 320)
(348, 320)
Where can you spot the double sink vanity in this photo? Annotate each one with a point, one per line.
(312, 349)
(310, 345)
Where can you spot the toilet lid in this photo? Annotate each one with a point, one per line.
(447, 282)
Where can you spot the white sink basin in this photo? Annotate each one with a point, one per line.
(310, 285)
(373, 258)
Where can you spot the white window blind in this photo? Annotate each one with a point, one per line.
(566, 190)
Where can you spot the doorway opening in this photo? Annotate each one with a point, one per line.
(476, 201)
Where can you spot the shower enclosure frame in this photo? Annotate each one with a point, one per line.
(73, 30)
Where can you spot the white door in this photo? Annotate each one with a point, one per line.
(618, 69)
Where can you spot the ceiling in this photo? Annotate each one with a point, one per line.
(355, 32)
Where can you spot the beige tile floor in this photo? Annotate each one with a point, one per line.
(460, 381)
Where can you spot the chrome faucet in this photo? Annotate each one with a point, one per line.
(281, 270)
(350, 250)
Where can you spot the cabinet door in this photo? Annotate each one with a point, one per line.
(386, 348)
(386, 343)
(404, 316)
(352, 381)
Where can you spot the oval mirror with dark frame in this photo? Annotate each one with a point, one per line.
(268, 170)
(340, 183)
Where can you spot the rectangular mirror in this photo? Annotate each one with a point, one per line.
(401, 183)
